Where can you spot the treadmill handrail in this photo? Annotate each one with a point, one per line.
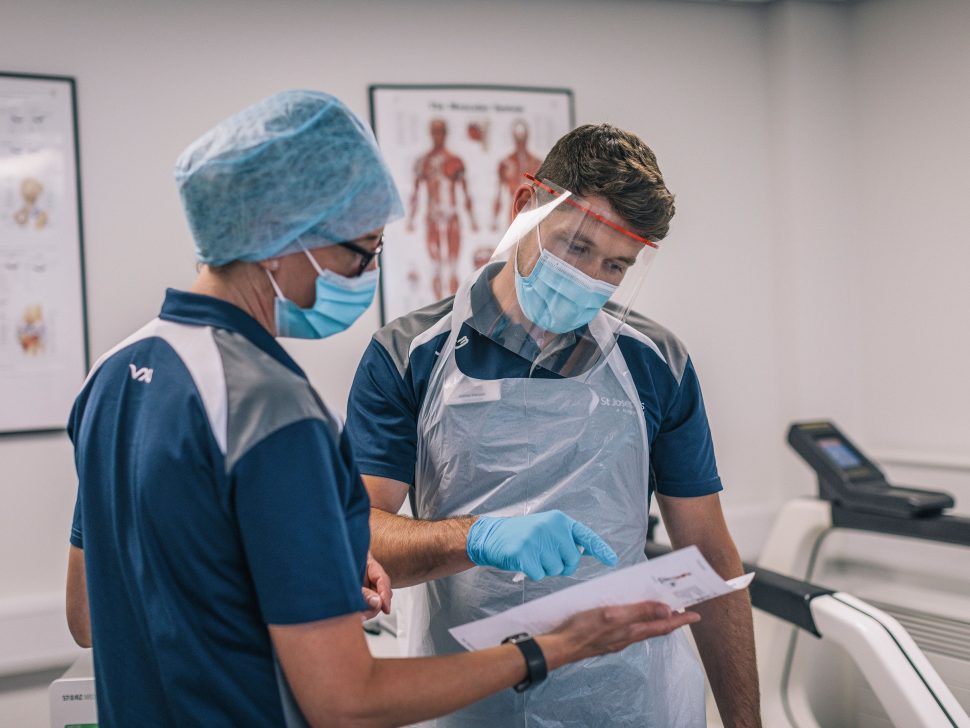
(904, 680)
(944, 529)
(907, 685)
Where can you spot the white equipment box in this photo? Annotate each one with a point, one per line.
(72, 696)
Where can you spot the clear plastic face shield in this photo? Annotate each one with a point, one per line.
(559, 286)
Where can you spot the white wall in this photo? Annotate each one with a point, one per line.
(813, 268)
(815, 255)
(871, 163)
(870, 180)
(912, 62)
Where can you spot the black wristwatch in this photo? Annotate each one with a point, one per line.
(535, 661)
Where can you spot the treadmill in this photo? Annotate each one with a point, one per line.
(886, 642)
(883, 643)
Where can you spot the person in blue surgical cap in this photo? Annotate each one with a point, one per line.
(219, 558)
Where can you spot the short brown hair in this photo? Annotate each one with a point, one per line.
(599, 159)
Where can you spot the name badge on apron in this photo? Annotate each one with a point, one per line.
(482, 390)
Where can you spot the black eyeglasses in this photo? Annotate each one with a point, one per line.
(366, 256)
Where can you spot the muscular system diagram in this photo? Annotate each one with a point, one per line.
(442, 175)
(510, 171)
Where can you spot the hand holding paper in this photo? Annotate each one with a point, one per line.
(679, 579)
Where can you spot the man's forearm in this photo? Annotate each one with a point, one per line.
(725, 639)
(414, 551)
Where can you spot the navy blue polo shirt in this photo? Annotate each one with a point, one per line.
(216, 495)
(392, 381)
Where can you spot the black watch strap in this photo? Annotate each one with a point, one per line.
(535, 661)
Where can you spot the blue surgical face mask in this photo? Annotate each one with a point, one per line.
(557, 297)
(339, 302)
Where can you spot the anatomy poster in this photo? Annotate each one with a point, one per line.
(457, 154)
(43, 342)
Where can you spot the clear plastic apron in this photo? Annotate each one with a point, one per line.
(516, 446)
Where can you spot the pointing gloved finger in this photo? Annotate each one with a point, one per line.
(594, 545)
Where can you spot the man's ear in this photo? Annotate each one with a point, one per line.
(522, 197)
(270, 264)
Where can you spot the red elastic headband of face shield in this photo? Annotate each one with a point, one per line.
(592, 213)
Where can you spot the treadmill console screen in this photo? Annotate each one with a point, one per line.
(839, 452)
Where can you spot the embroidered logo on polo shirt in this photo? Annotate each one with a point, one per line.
(461, 342)
(144, 374)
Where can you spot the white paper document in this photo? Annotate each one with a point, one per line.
(679, 579)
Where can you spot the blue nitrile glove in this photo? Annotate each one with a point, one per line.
(540, 544)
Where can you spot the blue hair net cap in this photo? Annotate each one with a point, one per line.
(297, 162)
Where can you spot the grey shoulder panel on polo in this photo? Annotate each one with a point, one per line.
(397, 336)
(263, 396)
(672, 348)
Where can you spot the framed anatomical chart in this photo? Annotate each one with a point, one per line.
(43, 322)
(457, 153)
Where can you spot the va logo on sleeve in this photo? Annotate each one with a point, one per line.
(144, 374)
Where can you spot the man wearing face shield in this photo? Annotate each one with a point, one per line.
(219, 555)
(537, 391)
